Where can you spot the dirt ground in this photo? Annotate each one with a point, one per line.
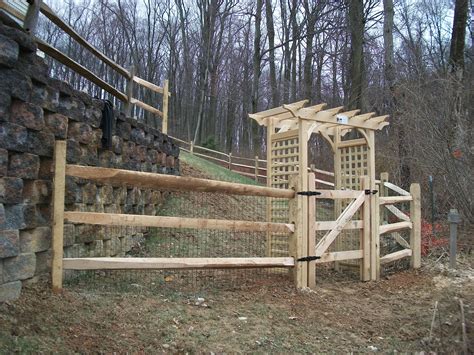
(342, 315)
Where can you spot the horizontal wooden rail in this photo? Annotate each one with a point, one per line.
(211, 157)
(49, 13)
(340, 256)
(337, 194)
(146, 107)
(390, 200)
(395, 256)
(328, 225)
(173, 263)
(86, 73)
(149, 85)
(175, 183)
(394, 227)
(115, 219)
(211, 150)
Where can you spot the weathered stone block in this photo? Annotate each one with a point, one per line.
(5, 102)
(73, 151)
(41, 143)
(9, 243)
(57, 124)
(20, 267)
(106, 194)
(141, 153)
(27, 114)
(13, 137)
(89, 193)
(16, 83)
(37, 191)
(10, 291)
(87, 233)
(73, 193)
(106, 158)
(124, 129)
(33, 66)
(24, 165)
(72, 107)
(117, 144)
(3, 162)
(23, 216)
(93, 116)
(11, 190)
(69, 234)
(89, 155)
(2, 217)
(138, 136)
(46, 97)
(170, 162)
(26, 42)
(9, 51)
(35, 240)
(80, 132)
(46, 168)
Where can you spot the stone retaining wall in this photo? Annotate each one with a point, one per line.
(36, 110)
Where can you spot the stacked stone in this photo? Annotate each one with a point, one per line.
(36, 110)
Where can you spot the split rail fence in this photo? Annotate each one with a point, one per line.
(162, 183)
(255, 168)
(30, 21)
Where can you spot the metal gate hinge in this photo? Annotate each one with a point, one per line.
(308, 258)
(309, 193)
(370, 192)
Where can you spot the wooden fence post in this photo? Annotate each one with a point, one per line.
(31, 17)
(230, 161)
(415, 235)
(59, 184)
(311, 231)
(164, 127)
(384, 192)
(129, 92)
(298, 240)
(256, 168)
(366, 233)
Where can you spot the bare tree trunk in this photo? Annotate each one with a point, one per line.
(357, 71)
(271, 54)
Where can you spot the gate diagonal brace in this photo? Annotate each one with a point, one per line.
(309, 193)
(308, 258)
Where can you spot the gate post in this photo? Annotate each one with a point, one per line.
(365, 235)
(59, 185)
(311, 231)
(298, 245)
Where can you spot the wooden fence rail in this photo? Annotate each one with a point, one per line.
(158, 182)
(129, 75)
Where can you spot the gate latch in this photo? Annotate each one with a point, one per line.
(309, 193)
(308, 258)
(371, 192)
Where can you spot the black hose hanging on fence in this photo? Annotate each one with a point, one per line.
(107, 124)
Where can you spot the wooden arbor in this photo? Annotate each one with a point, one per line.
(289, 128)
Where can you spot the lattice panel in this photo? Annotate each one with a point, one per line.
(284, 163)
(353, 165)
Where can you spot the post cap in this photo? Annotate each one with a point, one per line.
(453, 216)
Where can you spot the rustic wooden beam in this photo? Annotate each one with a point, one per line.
(174, 183)
(107, 263)
(116, 219)
(340, 255)
(59, 185)
(395, 256)
(394, 227)
(49, 13)
(390, 200)
(86, 73)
